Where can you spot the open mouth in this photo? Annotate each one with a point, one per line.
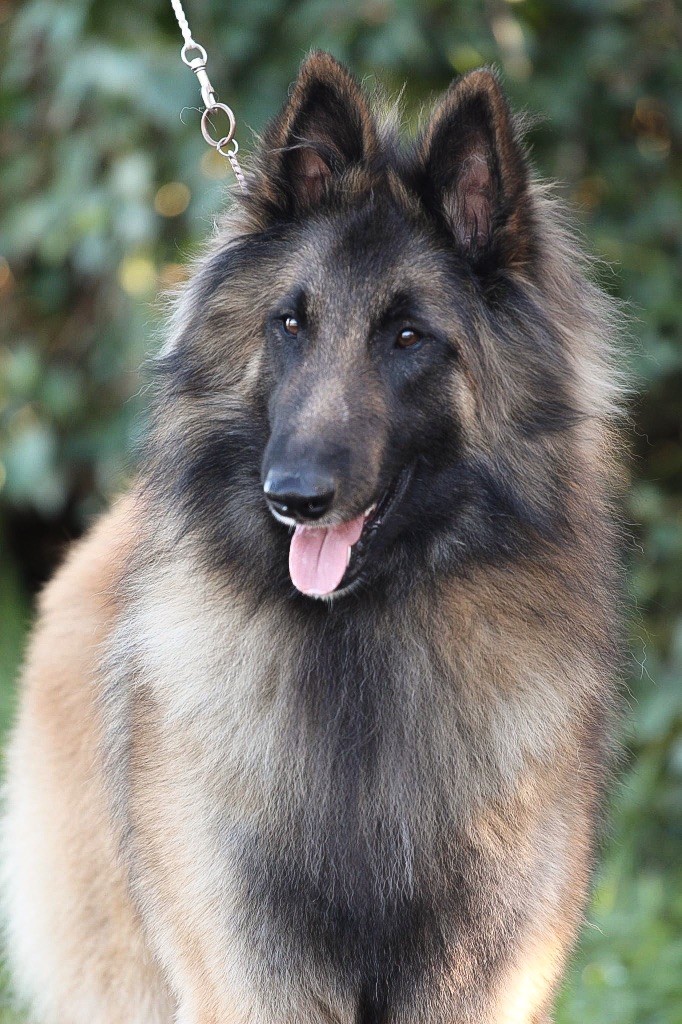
(325, 560)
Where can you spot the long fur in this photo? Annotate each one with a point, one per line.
(230, 803)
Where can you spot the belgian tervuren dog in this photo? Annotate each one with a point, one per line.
(315, 723)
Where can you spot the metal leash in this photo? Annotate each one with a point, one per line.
(211, 105)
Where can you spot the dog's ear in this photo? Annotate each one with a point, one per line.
(473, 170)
(324, 129)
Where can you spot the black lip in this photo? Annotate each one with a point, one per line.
(372, 529)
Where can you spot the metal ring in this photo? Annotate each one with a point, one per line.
(188, 47)
(223, 141)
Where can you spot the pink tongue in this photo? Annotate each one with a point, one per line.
(318, 556)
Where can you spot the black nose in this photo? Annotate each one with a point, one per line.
(303, 495)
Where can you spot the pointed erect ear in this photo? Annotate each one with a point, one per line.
(324, 129)
(473, 171)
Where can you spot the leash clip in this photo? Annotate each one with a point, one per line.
(198, 66)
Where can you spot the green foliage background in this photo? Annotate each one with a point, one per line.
(90, 130)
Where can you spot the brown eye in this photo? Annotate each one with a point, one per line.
(291, 325)
(408, 338)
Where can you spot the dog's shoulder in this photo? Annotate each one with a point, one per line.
(79, 604)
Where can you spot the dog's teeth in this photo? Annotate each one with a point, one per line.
(348, 554)
(370, 509)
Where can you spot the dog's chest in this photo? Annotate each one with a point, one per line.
(355, 865)
(339, 886)
(320, 796)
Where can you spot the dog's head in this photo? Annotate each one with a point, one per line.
(368, 380)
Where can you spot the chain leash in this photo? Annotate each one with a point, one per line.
(195, 57)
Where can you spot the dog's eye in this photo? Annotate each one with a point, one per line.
(408, 338)
(291, 325)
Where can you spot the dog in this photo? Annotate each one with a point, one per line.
(316, 722)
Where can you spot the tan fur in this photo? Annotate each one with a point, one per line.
(75, 941)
